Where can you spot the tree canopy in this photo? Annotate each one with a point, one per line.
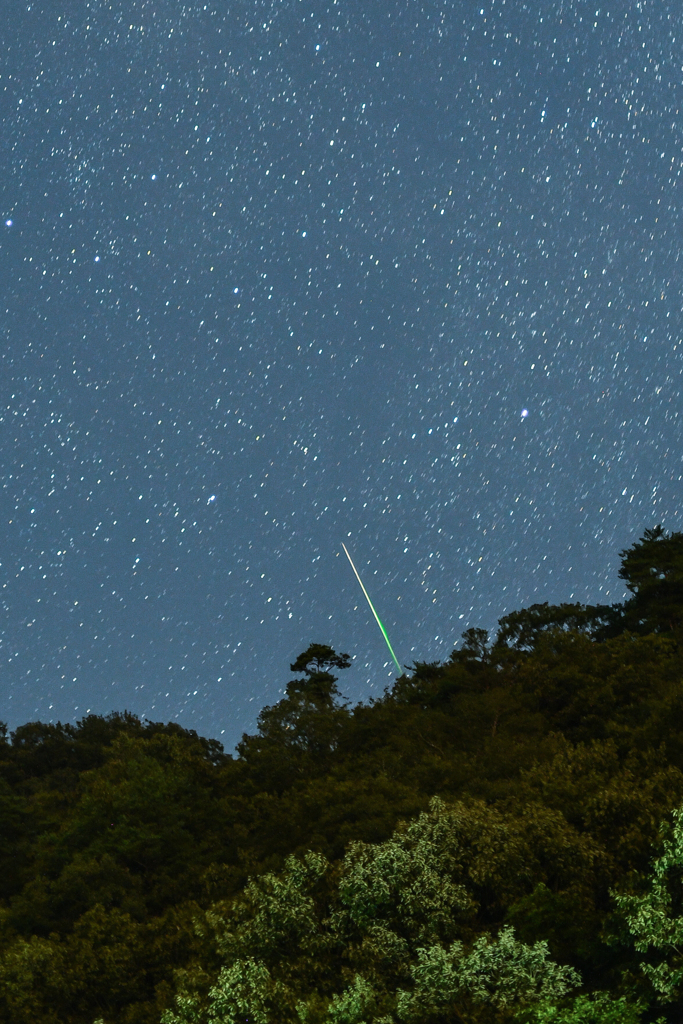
(481, 843)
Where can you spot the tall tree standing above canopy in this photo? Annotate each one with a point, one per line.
(653, 571)
(321, 656)
(310, 715)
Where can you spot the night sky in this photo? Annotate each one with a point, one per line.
(278, 275)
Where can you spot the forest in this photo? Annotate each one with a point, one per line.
(499, 837)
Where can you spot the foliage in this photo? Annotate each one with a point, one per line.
(652, 569)
(309, 719)
(652, 917)
(398, 920)
(598, 1008)
(504, 973)
(523, 629)
(139, 863)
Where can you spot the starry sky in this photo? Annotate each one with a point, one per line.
(278, 274)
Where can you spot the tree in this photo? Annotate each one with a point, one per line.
(310, 716)
(107, 862)
(474, 646)
(597, 1008)
(523, 629)
(503, 973)
(652, 569)
(655, 917)
(321, 656)
(389, 936)
(558, 752)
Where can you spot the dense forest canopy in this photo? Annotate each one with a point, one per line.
(496, 838)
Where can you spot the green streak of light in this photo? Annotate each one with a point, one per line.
(372, 608)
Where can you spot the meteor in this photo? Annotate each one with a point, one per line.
(372, 608)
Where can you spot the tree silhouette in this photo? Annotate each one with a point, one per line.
(652, 569)
(311, 714)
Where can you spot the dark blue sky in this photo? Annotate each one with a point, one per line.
(281, 275)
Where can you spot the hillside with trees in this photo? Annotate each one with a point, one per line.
(497, 838)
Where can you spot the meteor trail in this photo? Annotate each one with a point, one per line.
(372, 607)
